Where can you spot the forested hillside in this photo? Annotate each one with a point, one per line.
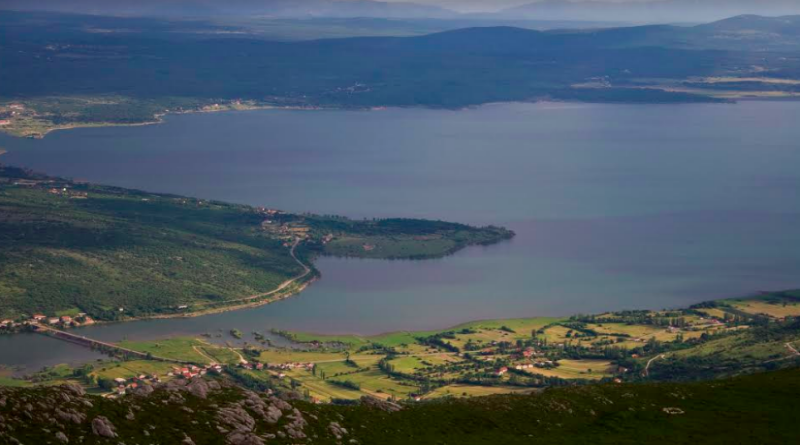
(70, 247)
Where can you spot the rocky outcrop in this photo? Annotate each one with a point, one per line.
(269, 412)
(243, 438)
(238, 424)
(70, 415)
(74, 389)
(294, 429)
(61, 437)
(143, 390)
(279, 403)
(102, 427)
(337, 430)
(198, 388)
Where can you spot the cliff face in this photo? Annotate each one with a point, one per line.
(751, 409)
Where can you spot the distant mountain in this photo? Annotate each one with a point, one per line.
(741, 33)
(205, 8)
(657, 11)
(43, 57)
(786, 26)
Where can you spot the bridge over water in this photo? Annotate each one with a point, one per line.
(104, 346)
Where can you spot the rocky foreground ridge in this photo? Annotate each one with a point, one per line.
(751, 409)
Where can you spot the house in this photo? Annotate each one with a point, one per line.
(501, 371)
(66, 319)
(119, 381)
(4, 122)
(528, 353)
(53, 320)
(39, 317)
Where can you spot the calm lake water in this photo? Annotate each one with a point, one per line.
(615, 206)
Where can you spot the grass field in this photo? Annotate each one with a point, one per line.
(736, 348)
(6, 379)
(474, 391)
(219, 354)
(713, 312)
(382, 247)
(777, 309)
(579, 369)
(378, 384)
(321, 389)
(178, 348)
(127, 370)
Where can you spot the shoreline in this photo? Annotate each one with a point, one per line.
(200, 313)
(289, 288)
(159, 118)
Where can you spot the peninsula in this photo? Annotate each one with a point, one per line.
(80, 251)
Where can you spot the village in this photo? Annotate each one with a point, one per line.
(10, 112)
(289, 228)
(63, 321)
(489, 357)
(473, 359)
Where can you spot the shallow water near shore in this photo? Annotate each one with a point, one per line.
(615, 206)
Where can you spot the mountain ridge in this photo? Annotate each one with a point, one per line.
(204, 8)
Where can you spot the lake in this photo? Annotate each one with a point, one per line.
(615, 206)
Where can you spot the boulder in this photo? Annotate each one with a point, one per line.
(74, 389)
(243, 438)
(102, 427)
(198, 387)
(236, 418)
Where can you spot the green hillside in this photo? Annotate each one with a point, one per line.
(753, 409)
(68, 247)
